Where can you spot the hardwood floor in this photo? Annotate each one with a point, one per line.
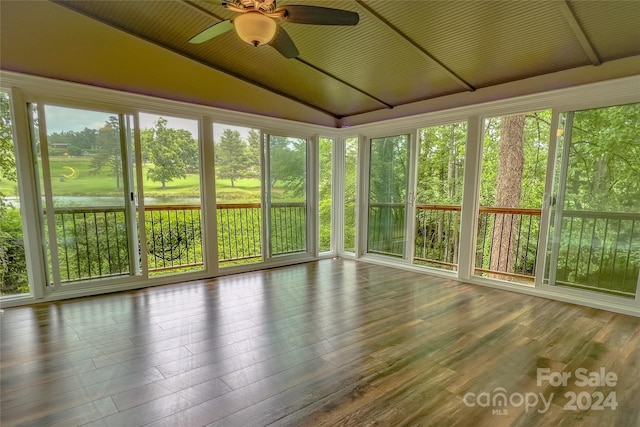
(328, 343)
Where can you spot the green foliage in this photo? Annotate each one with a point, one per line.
(174, 238)
(13, 270)
(324, 188)
(600, 251)
(604, 160)
(388, 177)
(288, 165)
(350, 193)
(73, 143)
(7, 159)
(232, 157)
(536, 148)
(92, 244)
(387, 194)
(108, 150)
(172, 152)
(441, 164)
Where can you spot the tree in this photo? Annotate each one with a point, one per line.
(288, 164)
(508, 191)
(74, 143)
(109, 151)
(253, 155)
(604, 159)
(441, 163)
(170, 150)
(13, 272)
(231, 156)
(325, 175)
(7, 159)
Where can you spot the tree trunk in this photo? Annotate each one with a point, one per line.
(508, 191)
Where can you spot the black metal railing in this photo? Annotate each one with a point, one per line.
(437, 236)
(594, 250)
(507, 243)
(92, 241)
(239, 233)
(288, 228)
(386, 234)
(599, 251)
(174, 237)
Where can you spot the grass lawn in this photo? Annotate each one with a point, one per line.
(73, 176)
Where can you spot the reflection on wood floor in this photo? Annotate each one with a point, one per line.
(328, 343)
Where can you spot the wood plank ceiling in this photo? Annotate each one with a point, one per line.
(400, 52)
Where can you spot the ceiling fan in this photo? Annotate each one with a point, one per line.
(256, 23)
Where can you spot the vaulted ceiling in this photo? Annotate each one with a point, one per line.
(403, 57)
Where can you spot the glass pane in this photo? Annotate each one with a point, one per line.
(439, 194)
(288, 194)
(514, 158)
(325, 185)
(595, 229)
(350, 192)
(13, 268)
(388, 195)
(81, 166)
(238, 193)
(171, 183)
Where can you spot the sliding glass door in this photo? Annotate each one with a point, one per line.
(86, 189)
(286, 198)
(388, 195)
(594, 233)
(439, 181)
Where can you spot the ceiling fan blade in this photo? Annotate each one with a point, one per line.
(300, 14)
(283, 44)
(213, 31)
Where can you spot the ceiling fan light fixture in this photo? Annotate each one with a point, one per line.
(255, 28)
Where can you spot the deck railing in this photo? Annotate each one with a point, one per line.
(596, 250)
(507, 243)
(174, 237)
(599, 251)
(92, 241)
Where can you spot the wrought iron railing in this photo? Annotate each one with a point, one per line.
(598, 251)
(92, 241)
(174, 237)
(595, 250)
(239, 233)
(507, 243)
(437, 236)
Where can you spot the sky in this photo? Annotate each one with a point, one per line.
(62, 119)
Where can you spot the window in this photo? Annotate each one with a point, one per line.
(350, 193)
(170, 176)
(13, 267)
(325, 193)
(388, 181)
(514, 160)
(238, 166)
(594, 237)
(441, 154)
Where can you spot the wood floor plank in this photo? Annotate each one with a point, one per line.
(328, 343)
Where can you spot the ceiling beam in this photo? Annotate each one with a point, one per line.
(344, 82)
(200, 61)
(571, 19)
(302, 61)
(420, 49)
